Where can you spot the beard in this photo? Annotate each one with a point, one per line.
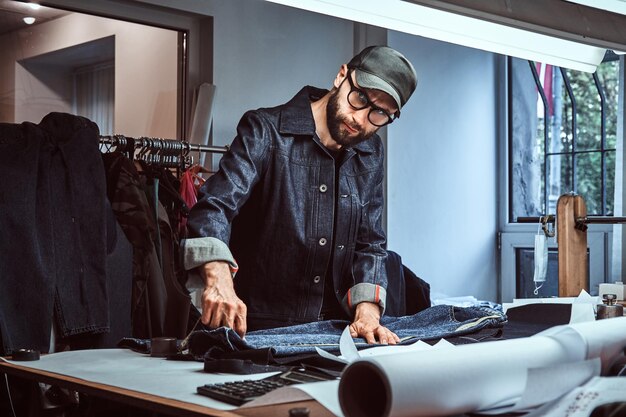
(338, 131)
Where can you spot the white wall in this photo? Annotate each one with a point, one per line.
(145, 71)
(264, 54)
(442, 177)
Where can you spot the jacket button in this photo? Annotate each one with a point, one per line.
(344, 195)
(317, 279)
(322, 241)
(340, 247)
(323, 188)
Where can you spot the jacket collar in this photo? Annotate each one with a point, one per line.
(296, 117)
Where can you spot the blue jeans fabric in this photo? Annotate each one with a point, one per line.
(433, 323)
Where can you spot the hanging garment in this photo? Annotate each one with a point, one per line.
(52, 225)
(178, 301)
(190, 182)
(132, 211)
(160, 304)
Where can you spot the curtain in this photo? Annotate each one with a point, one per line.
(94, 94)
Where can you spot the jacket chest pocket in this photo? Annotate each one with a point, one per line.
(351, 213)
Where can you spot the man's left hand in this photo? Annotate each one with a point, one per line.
(366, 324)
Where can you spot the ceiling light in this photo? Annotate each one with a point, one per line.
(34, 6)
(406, 17)
(29, 20)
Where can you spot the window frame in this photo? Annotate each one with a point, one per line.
(573, 153)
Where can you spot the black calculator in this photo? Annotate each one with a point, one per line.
(240, 392)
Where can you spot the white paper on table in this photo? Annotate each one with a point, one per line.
(475, 377)
(542, 386)
(326, 393)
(581, 401)
(604, 339)
(447, 381)
(349, 353)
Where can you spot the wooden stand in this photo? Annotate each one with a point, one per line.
(572, 243)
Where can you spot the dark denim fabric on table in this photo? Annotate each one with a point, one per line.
(433, 323)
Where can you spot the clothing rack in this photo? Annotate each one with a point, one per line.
(169, 153)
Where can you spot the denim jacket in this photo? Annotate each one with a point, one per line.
(272, 203)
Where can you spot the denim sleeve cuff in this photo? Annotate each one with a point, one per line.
(198, 251)
(365, 292)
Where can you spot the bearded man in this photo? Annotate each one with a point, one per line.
(289, 230)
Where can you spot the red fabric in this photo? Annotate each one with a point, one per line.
(190, 182)
(545, 77)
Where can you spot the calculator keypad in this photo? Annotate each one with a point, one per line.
(238, 393)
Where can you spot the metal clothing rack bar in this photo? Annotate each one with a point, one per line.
(159, 144)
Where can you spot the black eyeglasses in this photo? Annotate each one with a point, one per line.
(359, 100)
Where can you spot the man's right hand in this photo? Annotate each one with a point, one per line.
(220, 304)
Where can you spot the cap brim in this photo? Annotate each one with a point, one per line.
(367, 80)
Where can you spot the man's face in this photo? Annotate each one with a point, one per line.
(347, 126)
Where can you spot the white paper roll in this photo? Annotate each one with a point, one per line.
(470, 377)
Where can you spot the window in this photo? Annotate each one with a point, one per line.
(562, 136)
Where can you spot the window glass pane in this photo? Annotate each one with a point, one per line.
(589, 180)
(559, 169)
(552, 81)
(527, 150)
(610, 182)
(525, 270)
(608, 73)
(586, 101)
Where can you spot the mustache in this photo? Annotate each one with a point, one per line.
(354, 126)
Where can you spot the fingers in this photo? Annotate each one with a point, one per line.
(358, 330)
(381, 335)
(386, 336)
(353, 331)
(374, 334)
(240, 325)
(217, 312)
(369, 337)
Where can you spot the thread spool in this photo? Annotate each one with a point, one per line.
(161, 347)
(25, 355)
